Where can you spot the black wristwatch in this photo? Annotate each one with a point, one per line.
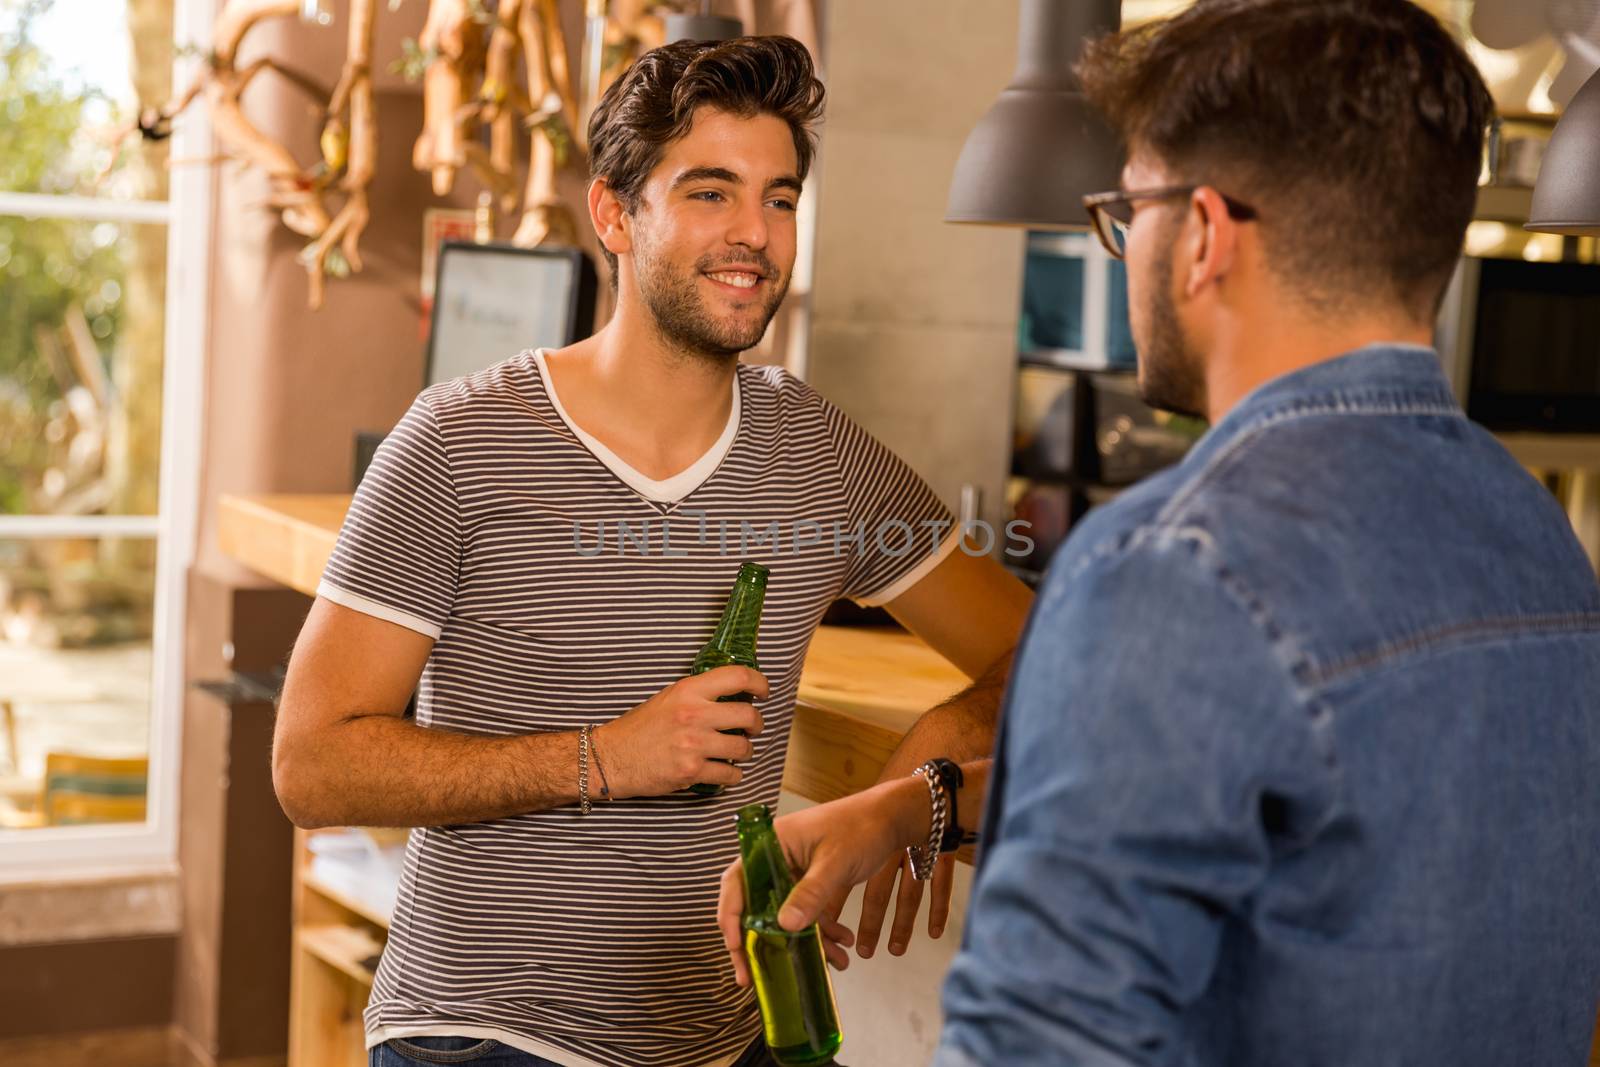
(950, 775)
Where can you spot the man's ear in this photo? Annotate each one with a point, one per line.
(610, 219)
(1209, 241)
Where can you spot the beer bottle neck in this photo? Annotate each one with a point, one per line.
(767, 879)
(741, 619)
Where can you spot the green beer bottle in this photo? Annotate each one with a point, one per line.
(793, 986)
(735, 639)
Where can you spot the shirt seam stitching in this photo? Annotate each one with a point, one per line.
(326, 585)
(1251, 432)
(943, 550)
(1454, 635)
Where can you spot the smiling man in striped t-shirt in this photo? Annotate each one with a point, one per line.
(543, 546)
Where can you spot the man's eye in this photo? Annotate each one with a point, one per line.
(784, 205)
(708, 195)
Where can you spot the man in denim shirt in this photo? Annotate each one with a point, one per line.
(1300, 761)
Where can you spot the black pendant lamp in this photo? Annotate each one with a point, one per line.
(1566, 198)
(700, 26)
(1040, 149)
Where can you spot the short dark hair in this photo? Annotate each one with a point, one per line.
(1356, 127)
(653, 104)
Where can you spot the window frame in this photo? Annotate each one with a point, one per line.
(150, 847)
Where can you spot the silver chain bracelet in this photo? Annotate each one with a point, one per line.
(921, 856)
(583, 770)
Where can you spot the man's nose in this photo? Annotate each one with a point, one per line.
(749, 225)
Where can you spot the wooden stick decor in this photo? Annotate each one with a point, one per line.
(350, 148)
(467, 56)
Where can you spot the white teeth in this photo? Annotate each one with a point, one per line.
(742, 281)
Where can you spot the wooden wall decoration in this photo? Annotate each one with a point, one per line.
(468, 57)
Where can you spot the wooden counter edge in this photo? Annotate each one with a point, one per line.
(259, 532)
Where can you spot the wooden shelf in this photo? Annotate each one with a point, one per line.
(341, 947)
(1556, 451)
(1504, 203)
(1067, 360)
(346, 901)
(329, 983)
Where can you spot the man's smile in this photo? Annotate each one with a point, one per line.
(739, 279)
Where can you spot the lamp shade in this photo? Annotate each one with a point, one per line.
(701, 27)
(1040, 148)
(1566, 198)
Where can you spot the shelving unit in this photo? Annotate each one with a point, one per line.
(337, 941)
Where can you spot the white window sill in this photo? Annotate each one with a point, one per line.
(90, 906)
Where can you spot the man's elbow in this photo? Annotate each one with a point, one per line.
(297, 787)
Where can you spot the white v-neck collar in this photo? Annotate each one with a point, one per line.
(664, 490)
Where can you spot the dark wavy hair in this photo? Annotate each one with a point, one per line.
(653, 104)
(1356, 127)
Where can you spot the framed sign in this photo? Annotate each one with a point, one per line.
(492, 301)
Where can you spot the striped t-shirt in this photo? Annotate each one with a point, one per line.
(563, 587)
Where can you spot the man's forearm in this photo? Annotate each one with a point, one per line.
(960, 729)
(382, 770)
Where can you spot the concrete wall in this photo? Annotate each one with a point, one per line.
(914, 335)
(914, 319)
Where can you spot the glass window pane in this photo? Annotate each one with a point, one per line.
(71, 71)
(75, 671)
(81, 352)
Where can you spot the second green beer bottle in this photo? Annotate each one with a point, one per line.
(735, 639)
(798, 1012)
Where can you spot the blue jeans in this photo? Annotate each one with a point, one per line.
(481, 1052)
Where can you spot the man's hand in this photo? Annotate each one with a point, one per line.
(881, 889)
(836, 846)
(970, 610)
(674, 739)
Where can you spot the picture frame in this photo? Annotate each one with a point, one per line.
(492, 301)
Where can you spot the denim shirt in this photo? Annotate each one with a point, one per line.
(1300, 760)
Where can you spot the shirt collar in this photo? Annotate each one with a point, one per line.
(1385, 377)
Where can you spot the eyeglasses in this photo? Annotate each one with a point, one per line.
(1111, 213)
